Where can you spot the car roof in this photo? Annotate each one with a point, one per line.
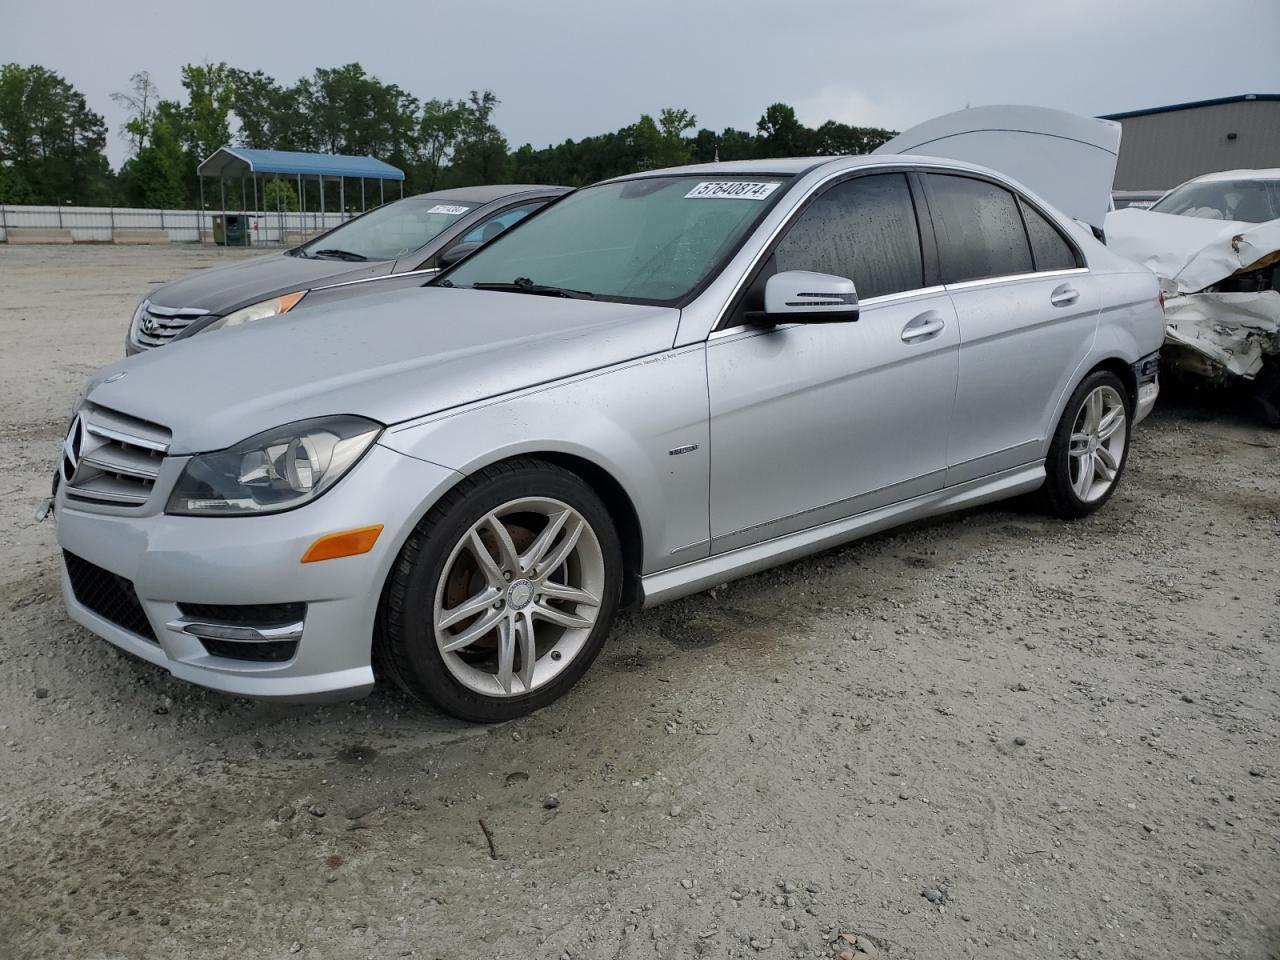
(487, 193)
(1272, 173)
(796, 166)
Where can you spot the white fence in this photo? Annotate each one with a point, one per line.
(104, 224)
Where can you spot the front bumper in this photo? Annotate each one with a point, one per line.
(256, 560)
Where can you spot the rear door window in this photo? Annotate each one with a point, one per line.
(1048, 245)
(979, 228)
(863, 229)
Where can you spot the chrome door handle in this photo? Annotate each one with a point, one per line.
(1064, 296)
(922, 327)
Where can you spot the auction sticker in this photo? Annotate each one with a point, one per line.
(450, 208)
(732, 190)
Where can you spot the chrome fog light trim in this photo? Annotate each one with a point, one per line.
(236, 632)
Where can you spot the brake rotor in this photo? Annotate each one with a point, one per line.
(465, 580)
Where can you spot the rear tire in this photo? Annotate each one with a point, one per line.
(1089, 449)
(503, 594)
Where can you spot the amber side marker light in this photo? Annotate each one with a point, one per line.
(348, 543)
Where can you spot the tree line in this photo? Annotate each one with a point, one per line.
(52, 144)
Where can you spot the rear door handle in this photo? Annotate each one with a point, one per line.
(1064, 296)
(922, 327)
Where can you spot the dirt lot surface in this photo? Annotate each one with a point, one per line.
(991, 736)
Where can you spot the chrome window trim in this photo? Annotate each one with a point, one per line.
(925, 165)
(1014, 278)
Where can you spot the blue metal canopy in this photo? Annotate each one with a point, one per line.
(240, 161)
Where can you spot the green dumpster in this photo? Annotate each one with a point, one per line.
(231, 230)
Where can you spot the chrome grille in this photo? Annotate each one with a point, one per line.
(156, 325)
(112, 458)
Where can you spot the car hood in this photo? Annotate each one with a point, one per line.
(391, 357)
(222, 289)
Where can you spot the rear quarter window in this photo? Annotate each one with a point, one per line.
(1049, 247)
(979, 228)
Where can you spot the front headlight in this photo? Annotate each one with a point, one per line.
(276, 470)
(258, 311)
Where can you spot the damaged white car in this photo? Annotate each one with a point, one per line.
(1214, 242)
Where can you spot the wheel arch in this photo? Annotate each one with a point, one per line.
(1122, 369)
(619, 503)
(621, 509)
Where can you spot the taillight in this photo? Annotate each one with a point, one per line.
(1161, 299)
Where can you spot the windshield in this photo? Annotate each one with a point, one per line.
(391, 231)
(1249, 201)
(650, 241)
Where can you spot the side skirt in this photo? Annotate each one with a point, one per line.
(702, 574)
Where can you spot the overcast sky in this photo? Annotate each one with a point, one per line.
(566, 69)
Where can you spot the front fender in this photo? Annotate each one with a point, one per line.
(644, 422)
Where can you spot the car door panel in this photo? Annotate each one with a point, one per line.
(814, 422)
(1027, 311)
(1018, 352)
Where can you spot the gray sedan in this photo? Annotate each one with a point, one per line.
(411, 236)
(660, 383)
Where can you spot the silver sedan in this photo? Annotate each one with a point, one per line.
(660, 383)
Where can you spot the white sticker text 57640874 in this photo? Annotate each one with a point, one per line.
(732, 190)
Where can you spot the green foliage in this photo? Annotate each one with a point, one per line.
(439, 128)
(480, 154)
(140, 103)
(279, 195)
(14, 189)
(162, 173)
(50, 141)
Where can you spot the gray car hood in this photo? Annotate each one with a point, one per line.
(242, 282)
(392, 357)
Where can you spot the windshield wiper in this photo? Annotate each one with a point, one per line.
(525, 285)
(340, 254)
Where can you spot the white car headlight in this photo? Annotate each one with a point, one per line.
(258, 311)
(276, 470)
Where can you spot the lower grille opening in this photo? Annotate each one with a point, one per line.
(274, 651)
(246, 614)
(107, 594)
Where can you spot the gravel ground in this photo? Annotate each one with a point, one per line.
(990, 736)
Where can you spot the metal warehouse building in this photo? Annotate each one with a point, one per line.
(1164, 146)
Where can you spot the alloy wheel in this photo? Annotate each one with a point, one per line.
(518, 597)
(1098, 437)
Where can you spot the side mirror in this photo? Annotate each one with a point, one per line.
(799, 296)
(459, 251)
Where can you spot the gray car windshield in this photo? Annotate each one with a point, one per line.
(652, 240)
(389, 232)
(1248, 201)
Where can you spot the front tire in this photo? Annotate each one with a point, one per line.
(503, 594)
(1089, 448)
